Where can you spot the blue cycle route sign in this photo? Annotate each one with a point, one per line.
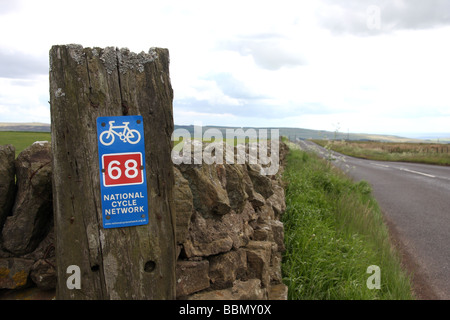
(123, 182)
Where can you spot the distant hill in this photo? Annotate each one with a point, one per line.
(298, 133)
(31, 126)
(292, 133)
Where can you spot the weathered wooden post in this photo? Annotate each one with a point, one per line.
(136, 262)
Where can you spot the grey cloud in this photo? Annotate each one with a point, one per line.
(353, 16)
(419, 14)
(268, 50)
(19, 65)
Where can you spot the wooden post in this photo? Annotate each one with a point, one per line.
(119, 263)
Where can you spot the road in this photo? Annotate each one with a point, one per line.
(415, 200)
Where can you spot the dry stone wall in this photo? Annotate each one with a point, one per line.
(27, 252)
(229, 235)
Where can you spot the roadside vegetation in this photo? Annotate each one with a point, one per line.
(429, 153)
(21, 140)
(334, 231)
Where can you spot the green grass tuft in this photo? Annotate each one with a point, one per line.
(333, 232)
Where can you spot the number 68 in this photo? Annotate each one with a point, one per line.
(131, 169)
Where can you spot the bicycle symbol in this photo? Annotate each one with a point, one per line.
(127, 135)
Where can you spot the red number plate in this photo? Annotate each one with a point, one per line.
(121, 169)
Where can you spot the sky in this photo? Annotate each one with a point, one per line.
(368, 66)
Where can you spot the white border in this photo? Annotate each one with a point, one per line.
(123, 184)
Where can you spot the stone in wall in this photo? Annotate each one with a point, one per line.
(183, 206)
(225, 268)
(241, 290)
(210, 196)
(259, 255)
(261, 183)
(7, 182)
(32, 213)
(43, 273)
(277, 200)
(14, 272)
(234, 179)
(192, 276)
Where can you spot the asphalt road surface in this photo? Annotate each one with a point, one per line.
(415, 200)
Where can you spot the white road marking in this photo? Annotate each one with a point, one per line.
(404, 169)
(386, 166)
(417, 172)
(380, 165)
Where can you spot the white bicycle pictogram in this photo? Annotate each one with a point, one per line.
(127, 135)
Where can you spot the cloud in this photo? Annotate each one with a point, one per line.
(8, 6)
(24, 100)
(269, 51)
(233, 87)
(372, 17)
(247, 111)
(19, 65)
(210, 106)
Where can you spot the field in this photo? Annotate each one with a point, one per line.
(334, 231)
(22, 140)
(429, 153)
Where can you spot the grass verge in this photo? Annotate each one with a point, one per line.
(333, 232)
(428, 153)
